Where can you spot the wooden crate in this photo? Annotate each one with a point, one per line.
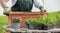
(23, 15)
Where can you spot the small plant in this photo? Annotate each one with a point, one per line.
(46, 20)
(33, 22)
(43, 20)
(58, 19)
(16, 20)
(16, 23)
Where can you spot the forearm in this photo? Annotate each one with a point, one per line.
(41, 8)
(3, 3)
(39, 4)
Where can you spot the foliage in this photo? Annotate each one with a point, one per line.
(33, 21)
(58, 19)
(46, 20)
(16, 20)
(3, 22)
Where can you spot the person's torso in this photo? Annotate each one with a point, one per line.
(23, 5)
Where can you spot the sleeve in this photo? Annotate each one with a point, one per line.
(13, 2)
(39, 4)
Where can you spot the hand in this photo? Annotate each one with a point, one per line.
(43, 12)
(6, 11)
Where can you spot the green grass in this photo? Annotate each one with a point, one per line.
(53, 15)
(4, 20)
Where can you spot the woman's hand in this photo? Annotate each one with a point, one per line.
(43, 12)
(6, 11)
